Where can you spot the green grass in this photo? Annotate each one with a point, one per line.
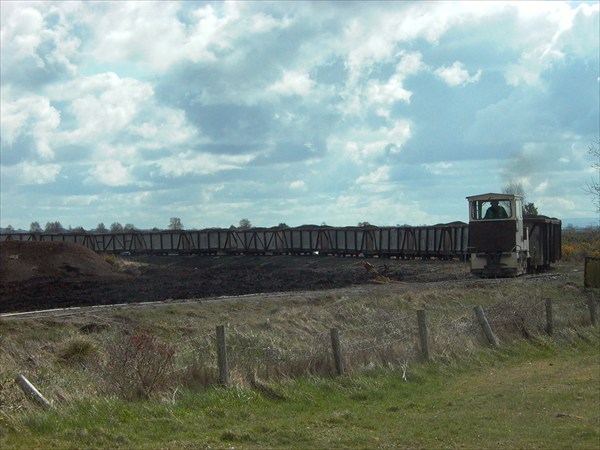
(542, 393)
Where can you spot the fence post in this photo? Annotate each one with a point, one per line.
(593, 311)
(30, 390)
(422, 322)
(337, 351)
(222, 356)
(549, 318)
(487, 330)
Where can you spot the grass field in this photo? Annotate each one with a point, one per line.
(529, 395)
(534, 391)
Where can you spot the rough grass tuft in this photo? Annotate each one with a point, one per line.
(77, 350)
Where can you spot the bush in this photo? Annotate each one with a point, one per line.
(579, 243)
(138, 365)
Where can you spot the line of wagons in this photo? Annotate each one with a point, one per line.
(444, 241)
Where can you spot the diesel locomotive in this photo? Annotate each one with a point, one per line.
(504, 242)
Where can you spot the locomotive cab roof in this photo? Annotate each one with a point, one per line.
(493, 196)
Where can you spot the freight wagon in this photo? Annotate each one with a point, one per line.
(437, 241)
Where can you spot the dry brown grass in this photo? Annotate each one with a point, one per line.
(124, 265)
(270, 338)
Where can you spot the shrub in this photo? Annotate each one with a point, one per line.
(138, 365)
(578, 243)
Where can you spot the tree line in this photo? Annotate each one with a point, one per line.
(175, 223)
(116, 227)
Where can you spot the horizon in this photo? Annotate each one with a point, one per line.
(580, 223)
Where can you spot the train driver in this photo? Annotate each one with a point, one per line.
(495, 211)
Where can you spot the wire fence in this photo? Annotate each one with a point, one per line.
(387, 342)
(369, 339)
(351, 340)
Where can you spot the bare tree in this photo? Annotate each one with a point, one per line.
(54, 227)
(101, 228)
(35, 227)
(116, 227)
(529, 209)
(516, 188)
(175, 224)
(593, 187)
(245, 224)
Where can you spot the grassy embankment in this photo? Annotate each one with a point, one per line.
(529, 395)
(534, 391)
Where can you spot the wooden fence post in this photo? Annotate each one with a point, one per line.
(32, 392)
(549, 318)
(485, 326)
(593, 311)
(422, 322)
(222, 356)
(337, 351)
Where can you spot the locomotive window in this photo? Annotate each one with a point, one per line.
(491, 209)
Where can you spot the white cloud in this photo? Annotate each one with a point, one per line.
(541, 187)
(103, 104)
(372, 36)
(438, 168)
(293, 83)
(383, 94)
(29, 116)
(262, 23)
(38, 173)
(398, 134)
(379, 175)
(546, 33)
(389, 92)
(21, 31)
(39, 50)
(366, 48)
(110, 173)
(190, 163)
(368, 144)
(152, 35)
(457, 75)
(298, 185)
(137, 32)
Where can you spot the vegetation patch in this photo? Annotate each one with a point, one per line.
(148, 376)
(578, 243)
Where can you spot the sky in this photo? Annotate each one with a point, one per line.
(293, 112)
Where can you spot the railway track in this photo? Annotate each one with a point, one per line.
(369, 289)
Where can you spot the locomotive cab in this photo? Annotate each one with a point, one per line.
(498, 241)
